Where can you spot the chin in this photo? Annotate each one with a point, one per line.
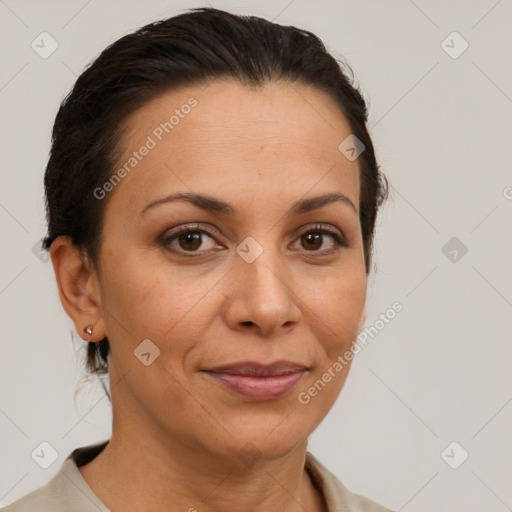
(270, 438)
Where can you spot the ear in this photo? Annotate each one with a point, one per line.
(78, 287)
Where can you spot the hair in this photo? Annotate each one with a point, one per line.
(200, 45)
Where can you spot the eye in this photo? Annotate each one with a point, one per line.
(313, 239)
(189, 238)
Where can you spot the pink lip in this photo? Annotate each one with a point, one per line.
(258, 381)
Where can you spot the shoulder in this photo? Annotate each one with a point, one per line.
(44, 499)
(336, 495)
(66, 488)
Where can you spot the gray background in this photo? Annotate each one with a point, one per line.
(439, 372)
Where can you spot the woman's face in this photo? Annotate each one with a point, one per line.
(254, 280)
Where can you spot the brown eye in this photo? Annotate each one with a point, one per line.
(313, 240)
(189, 239)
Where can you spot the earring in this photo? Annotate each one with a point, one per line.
(88, 330)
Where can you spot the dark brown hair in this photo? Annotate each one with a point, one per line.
(202, 44)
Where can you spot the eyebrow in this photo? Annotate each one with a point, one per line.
(212, 204)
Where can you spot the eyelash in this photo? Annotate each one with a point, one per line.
(340, 242)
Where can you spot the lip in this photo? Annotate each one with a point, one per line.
(258, 381)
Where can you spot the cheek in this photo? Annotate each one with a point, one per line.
(337, 313)
(148, 299)
(144, 300)
(338, 308)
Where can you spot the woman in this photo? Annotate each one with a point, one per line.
(211, 193)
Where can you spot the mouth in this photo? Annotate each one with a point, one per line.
(257, 381)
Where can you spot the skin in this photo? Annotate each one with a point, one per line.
(176, 433)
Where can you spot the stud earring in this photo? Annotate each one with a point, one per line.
(88, 330)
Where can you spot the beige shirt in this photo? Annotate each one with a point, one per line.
(67, 491)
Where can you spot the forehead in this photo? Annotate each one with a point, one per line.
(226, 139)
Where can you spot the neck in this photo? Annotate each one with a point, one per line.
(143, 469)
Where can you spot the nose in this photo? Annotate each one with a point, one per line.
(262, 297)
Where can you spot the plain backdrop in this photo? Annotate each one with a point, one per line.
(438, 373)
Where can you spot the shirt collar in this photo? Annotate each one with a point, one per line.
(335, 494)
